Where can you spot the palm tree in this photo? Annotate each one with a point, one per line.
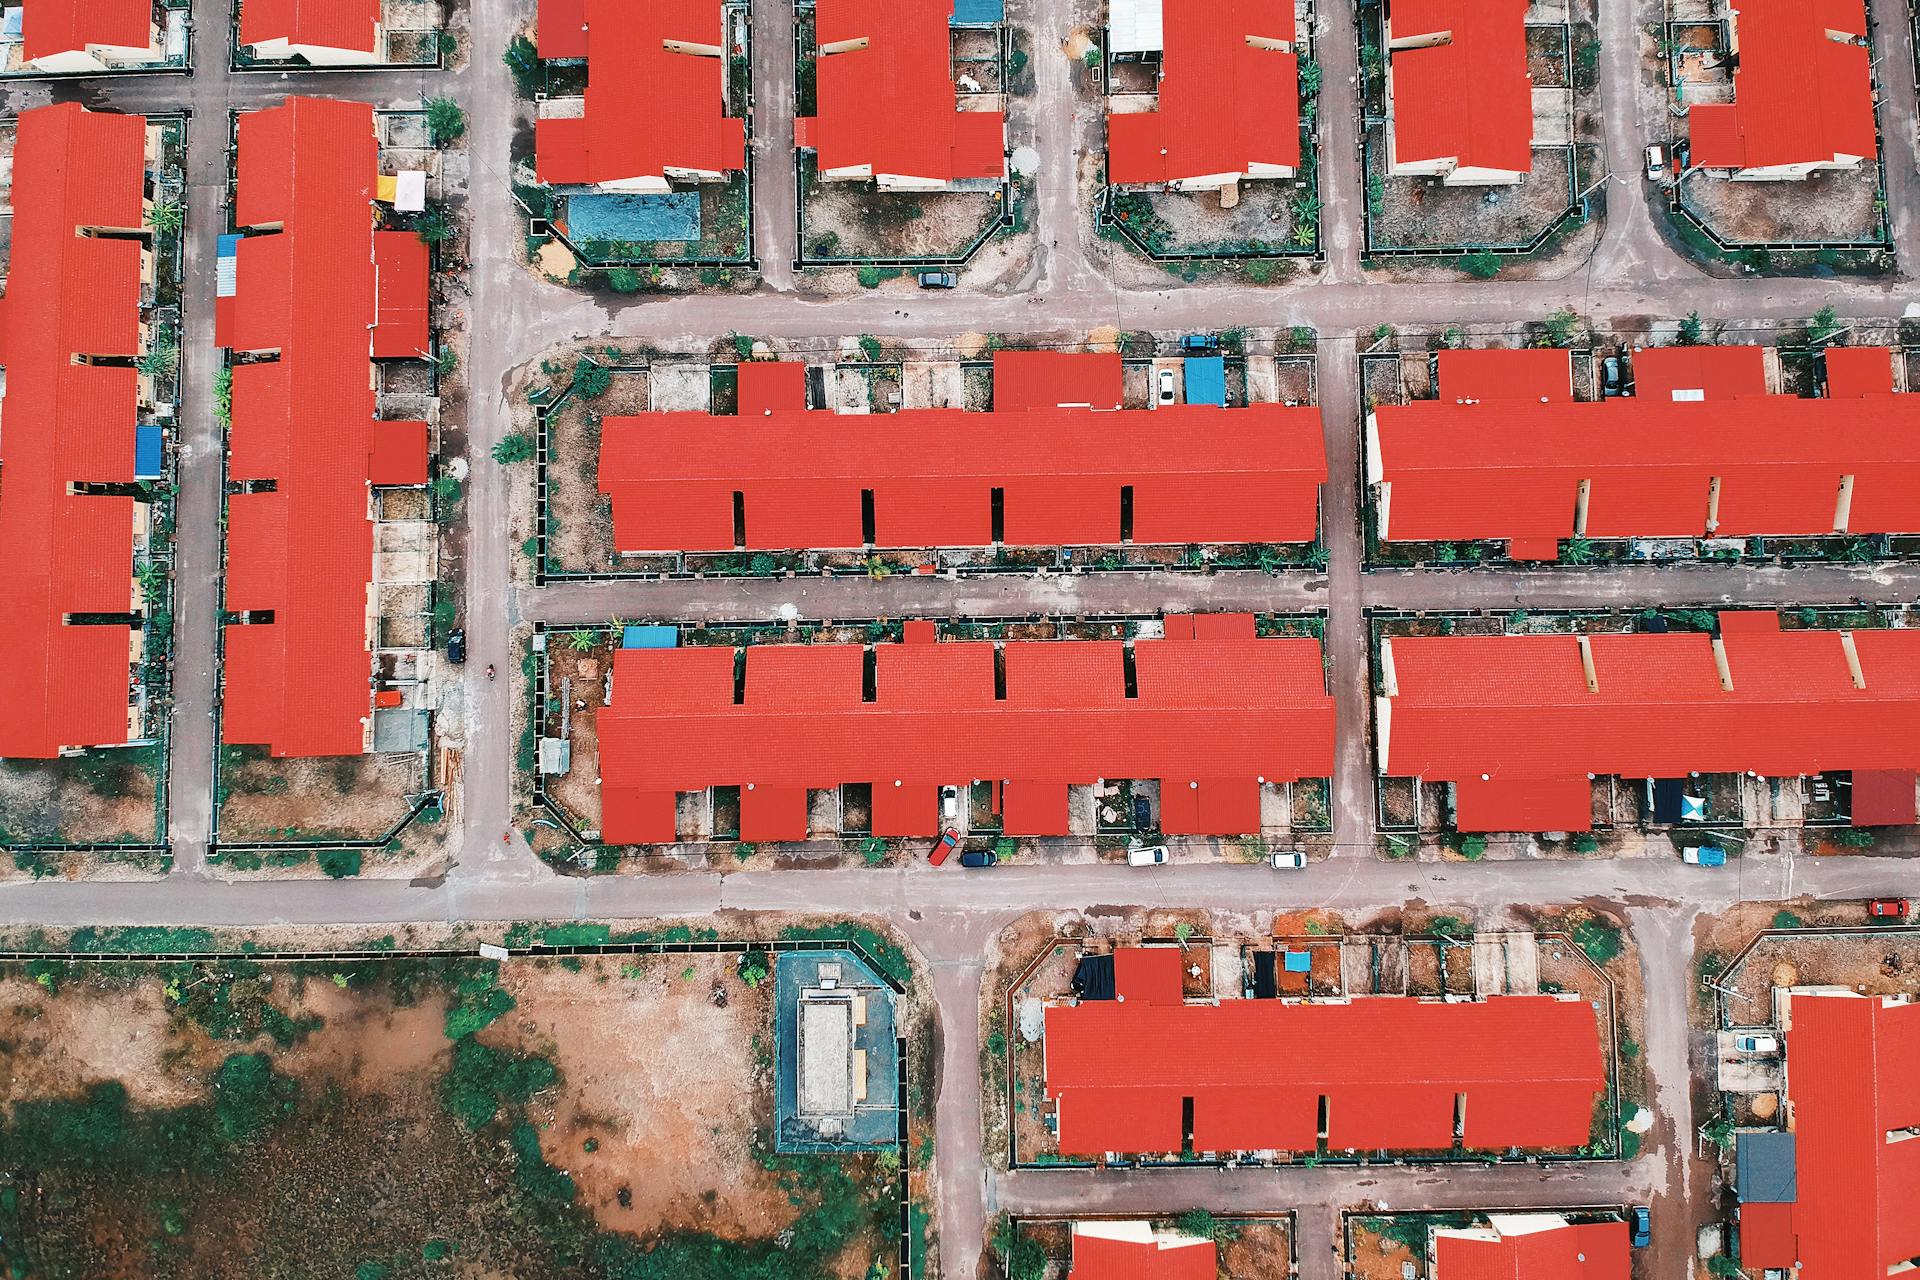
(580, 639)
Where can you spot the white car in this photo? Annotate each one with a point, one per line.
(1656, 163)
(1752, 1042)
(1287, 860)
(1146, 855)
(949, 803)
(1167, 395)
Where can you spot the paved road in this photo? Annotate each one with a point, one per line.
(1631, 273)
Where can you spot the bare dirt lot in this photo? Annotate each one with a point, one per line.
(1827, 208)
(1420, 213)
(850, 221)
(323, 797)
(1248, 1248)
(100, 797)
(547, 1118)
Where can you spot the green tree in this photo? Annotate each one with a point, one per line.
(870, 347)
(223, 395)
(591, 378)
(624, 280)
(1559, 329)
(517, 447)
(523, 60)
(1197, 1223)
(162, 356)
(1823, 326)
(580, 639)
(1691, 330)
(166, 215)
(445, 120)
(869, 277)
(445, 361)
(434, 226)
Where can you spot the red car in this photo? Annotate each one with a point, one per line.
(1890, 908)
(948, 843)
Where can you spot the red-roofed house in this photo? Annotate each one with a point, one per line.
(71, 295)
(1707, 448)
(1068, 466)
(1214, 720)
(655, 110)
(1376, 1073)
(1802, 92)
(887, 108)
(77, 37)
(1459, 99)
(323, 32)
(1532, 1246)
(1853, 1107)
(314, 303)
(1228, 105)
(1521, 723)
(1135, 1251)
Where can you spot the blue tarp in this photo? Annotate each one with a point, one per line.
(1299, 962)
(978, 13)
(146, 452)
(1206, 380)
(650, 638)
(674, 216)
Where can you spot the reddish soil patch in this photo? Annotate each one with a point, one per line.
(55, 1045)
(664, 1084)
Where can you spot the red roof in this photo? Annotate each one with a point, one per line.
(887, 102)
(78, 24)
(1227, 105)
(349, 25)
(1199, 473)
(300, 684)
(1492, 373)
(1150, 975)
(400, 271)
(1507, 467)
(1467, 98)
(654, 103)
(1224, 711)
(68, 295)
(1700, 373)
(561, 28)
(1801, 96)
(1097, 1257)
(1391, 1070)
(1571, 1251)
(1518, 708)
(1856, 373)
(1853, 1080)
(1883, 798)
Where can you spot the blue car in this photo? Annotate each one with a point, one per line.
(1640, 1222)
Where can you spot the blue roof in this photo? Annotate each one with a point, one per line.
(227, 246)
(594, 215)
(146, 452)
(650, 638)
(978, 13)
(1206, 380)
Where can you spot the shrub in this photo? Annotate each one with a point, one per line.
(869, 277)
(478, 1007)
(481, 1079)
(523, 60)
(1598, 937)
(340, 863)
(1690, 330)
(1481, 264)
(433, 225)
(624, 280)
(590, 378)
(517, 447)
(1473, 848)
(753, 968)
(445, 120)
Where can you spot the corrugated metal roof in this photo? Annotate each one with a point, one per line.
(347, 25)
(301, 684)
(60, 553)
(1518, 708)
(1226, 710)
(1097, 1257)
(1800, 96)
(51, 27)
(1467, 98)
(1506, 467)
(1391, 1069)
(1573, 1251)
(651, 105)
(1225, 105)
(889, 102)
(1198, 473)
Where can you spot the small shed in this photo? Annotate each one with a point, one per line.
(1206, 380)
(654, 637)
(148, 456)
